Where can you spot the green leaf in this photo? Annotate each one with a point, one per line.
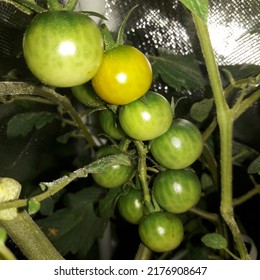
(22, 124)
(200, 110)
(33, 206)
(198, 7)
(214, 241)
(242, 152)
(178, 71)
(26, 6)
(254, 166)
(64, 138)
(108, 203)
(75, 228)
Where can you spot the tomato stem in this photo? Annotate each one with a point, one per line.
(143, 253)
(31, 240)
(142, 169)
(225, 122)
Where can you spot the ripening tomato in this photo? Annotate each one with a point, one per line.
(147, 117)
(63, 48)
(179, 147)
(124, 75)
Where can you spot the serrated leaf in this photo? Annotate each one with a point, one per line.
(200, 110)
(198, 7)
(214, 241)
(254, 166)
(22, 124)
(75, 228)
(107, 204)
(33, 206)
(178, 71)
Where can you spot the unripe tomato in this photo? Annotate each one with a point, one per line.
(110, 124)
(87, 96)
(130, 206)
(176, 191)
(124, 75)
(146, 118)
(112, 176)
(179, 147)
(161, 231)
(63, 48)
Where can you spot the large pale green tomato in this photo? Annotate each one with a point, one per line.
(63, 48)
(124, 75)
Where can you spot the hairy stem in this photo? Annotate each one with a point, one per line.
(29, 238)
(225, 123)
(143, 253)
(142, 169)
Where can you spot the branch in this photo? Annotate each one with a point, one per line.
(21, 89)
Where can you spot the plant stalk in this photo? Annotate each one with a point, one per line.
(29, 238)
(225, 123)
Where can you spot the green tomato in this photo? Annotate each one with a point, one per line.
(112, 176)
(161, 231)
(87, 96)
(146, 118)
(110, 124)
(176, 191)
(130, 206)
(179, 147)
(63, 48)
(124, 75)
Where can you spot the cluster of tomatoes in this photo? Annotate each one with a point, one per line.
(172, 145)
(66, 49)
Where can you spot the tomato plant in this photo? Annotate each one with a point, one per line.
(146, 118)
(63, 48)
(110, 124)
(151, 150)
(177, 191)
(179, 147)
(112, 176)
(130, 206)
(124, 75)
(161, 231)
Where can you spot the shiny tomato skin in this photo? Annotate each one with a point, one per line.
(124, 75)
(179, 147)
(146, 118)
(63, 48)
(176, 191)
(110, 124)
(130, 206)
(112, 176)
(161, 231)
